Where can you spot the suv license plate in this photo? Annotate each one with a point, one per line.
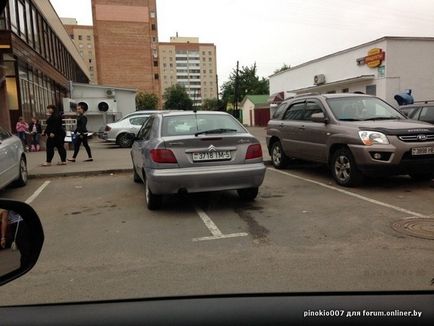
(212, 156)
(422, 151)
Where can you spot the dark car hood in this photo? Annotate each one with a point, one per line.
(397, 127)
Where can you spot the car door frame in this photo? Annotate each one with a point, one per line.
(9, 150)
(139, 151)
(290, 132)
(314, 135)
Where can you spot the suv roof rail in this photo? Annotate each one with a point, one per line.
(426, 101)
(307, 94)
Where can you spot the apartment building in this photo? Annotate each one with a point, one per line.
(186, 61)
(126, 44)
(83, 38)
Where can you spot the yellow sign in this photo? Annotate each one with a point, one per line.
(375, 57)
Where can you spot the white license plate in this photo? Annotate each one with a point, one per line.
(212, 156)
(422, 151)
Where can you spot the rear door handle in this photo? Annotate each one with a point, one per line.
(301, 128)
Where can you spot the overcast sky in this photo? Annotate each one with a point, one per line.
(273, 32)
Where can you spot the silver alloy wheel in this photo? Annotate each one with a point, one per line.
(124, 141)
(23, 170)
(277, 155)
(343, 168)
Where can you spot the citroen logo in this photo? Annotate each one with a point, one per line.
(212, 148)
(421, 137)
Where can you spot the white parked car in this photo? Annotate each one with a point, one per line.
(13, 163)
(123, 131)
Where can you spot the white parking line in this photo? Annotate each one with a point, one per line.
(37, 192)
(349, 193)
(215, 231)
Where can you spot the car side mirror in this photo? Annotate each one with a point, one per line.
(22, 238)
(319, 117)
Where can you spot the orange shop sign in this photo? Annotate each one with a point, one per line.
(375, 57)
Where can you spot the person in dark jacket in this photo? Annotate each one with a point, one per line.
(55, 136)
(80, 135)
(35, 131)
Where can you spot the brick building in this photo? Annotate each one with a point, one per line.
(37, 61)
(83, 38)
(126, 44)
(187, 62)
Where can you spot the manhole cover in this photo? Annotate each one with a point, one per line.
(416, 227)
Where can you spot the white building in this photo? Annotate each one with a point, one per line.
(384, 67)
(105, 103)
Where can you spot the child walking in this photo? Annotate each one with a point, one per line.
(22, 129)
(35, 130)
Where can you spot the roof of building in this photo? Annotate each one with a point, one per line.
(257, 100)
(105, 86)
(384, 38)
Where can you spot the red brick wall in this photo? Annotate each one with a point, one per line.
(124, 48)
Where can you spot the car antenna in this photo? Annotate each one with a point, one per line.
(197, 123)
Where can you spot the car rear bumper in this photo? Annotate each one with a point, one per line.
(204, 179)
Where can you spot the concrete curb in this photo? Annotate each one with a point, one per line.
(78, 173)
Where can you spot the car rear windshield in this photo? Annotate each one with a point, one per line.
(362, 109)
(201, 123)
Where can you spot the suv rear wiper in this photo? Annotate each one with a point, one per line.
(382, 118)
(215, 131)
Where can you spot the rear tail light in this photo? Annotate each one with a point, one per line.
(254, 151)
(163, 156)
(107, 128)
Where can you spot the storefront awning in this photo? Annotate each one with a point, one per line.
(343, 82)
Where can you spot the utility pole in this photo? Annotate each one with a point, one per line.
(236, 90)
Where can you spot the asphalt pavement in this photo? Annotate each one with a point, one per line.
(302, 234)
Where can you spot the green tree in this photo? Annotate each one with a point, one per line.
(176, 98)
(146, 101)
(283, 68)
(212, 104)
(248, 84)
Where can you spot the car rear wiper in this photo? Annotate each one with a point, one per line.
(382, 118)
(215, 131)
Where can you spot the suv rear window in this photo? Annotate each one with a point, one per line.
(362, 109)
(191, 124)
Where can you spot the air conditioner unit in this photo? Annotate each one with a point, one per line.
(110, 93)
(69, 105)
(319, 79)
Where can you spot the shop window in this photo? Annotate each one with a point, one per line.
(13, 16)
(345, 90)
(22, 20)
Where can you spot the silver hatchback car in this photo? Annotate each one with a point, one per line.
(13, 164)
(189, 152)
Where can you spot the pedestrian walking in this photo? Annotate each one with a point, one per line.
(80, 135)
(35, 131)
(55, 136)
(22, 129)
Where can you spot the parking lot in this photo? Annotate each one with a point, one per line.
(303, 233)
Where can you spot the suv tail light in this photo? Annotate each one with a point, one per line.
(163, 156)
(254, 151)
(107, 128)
